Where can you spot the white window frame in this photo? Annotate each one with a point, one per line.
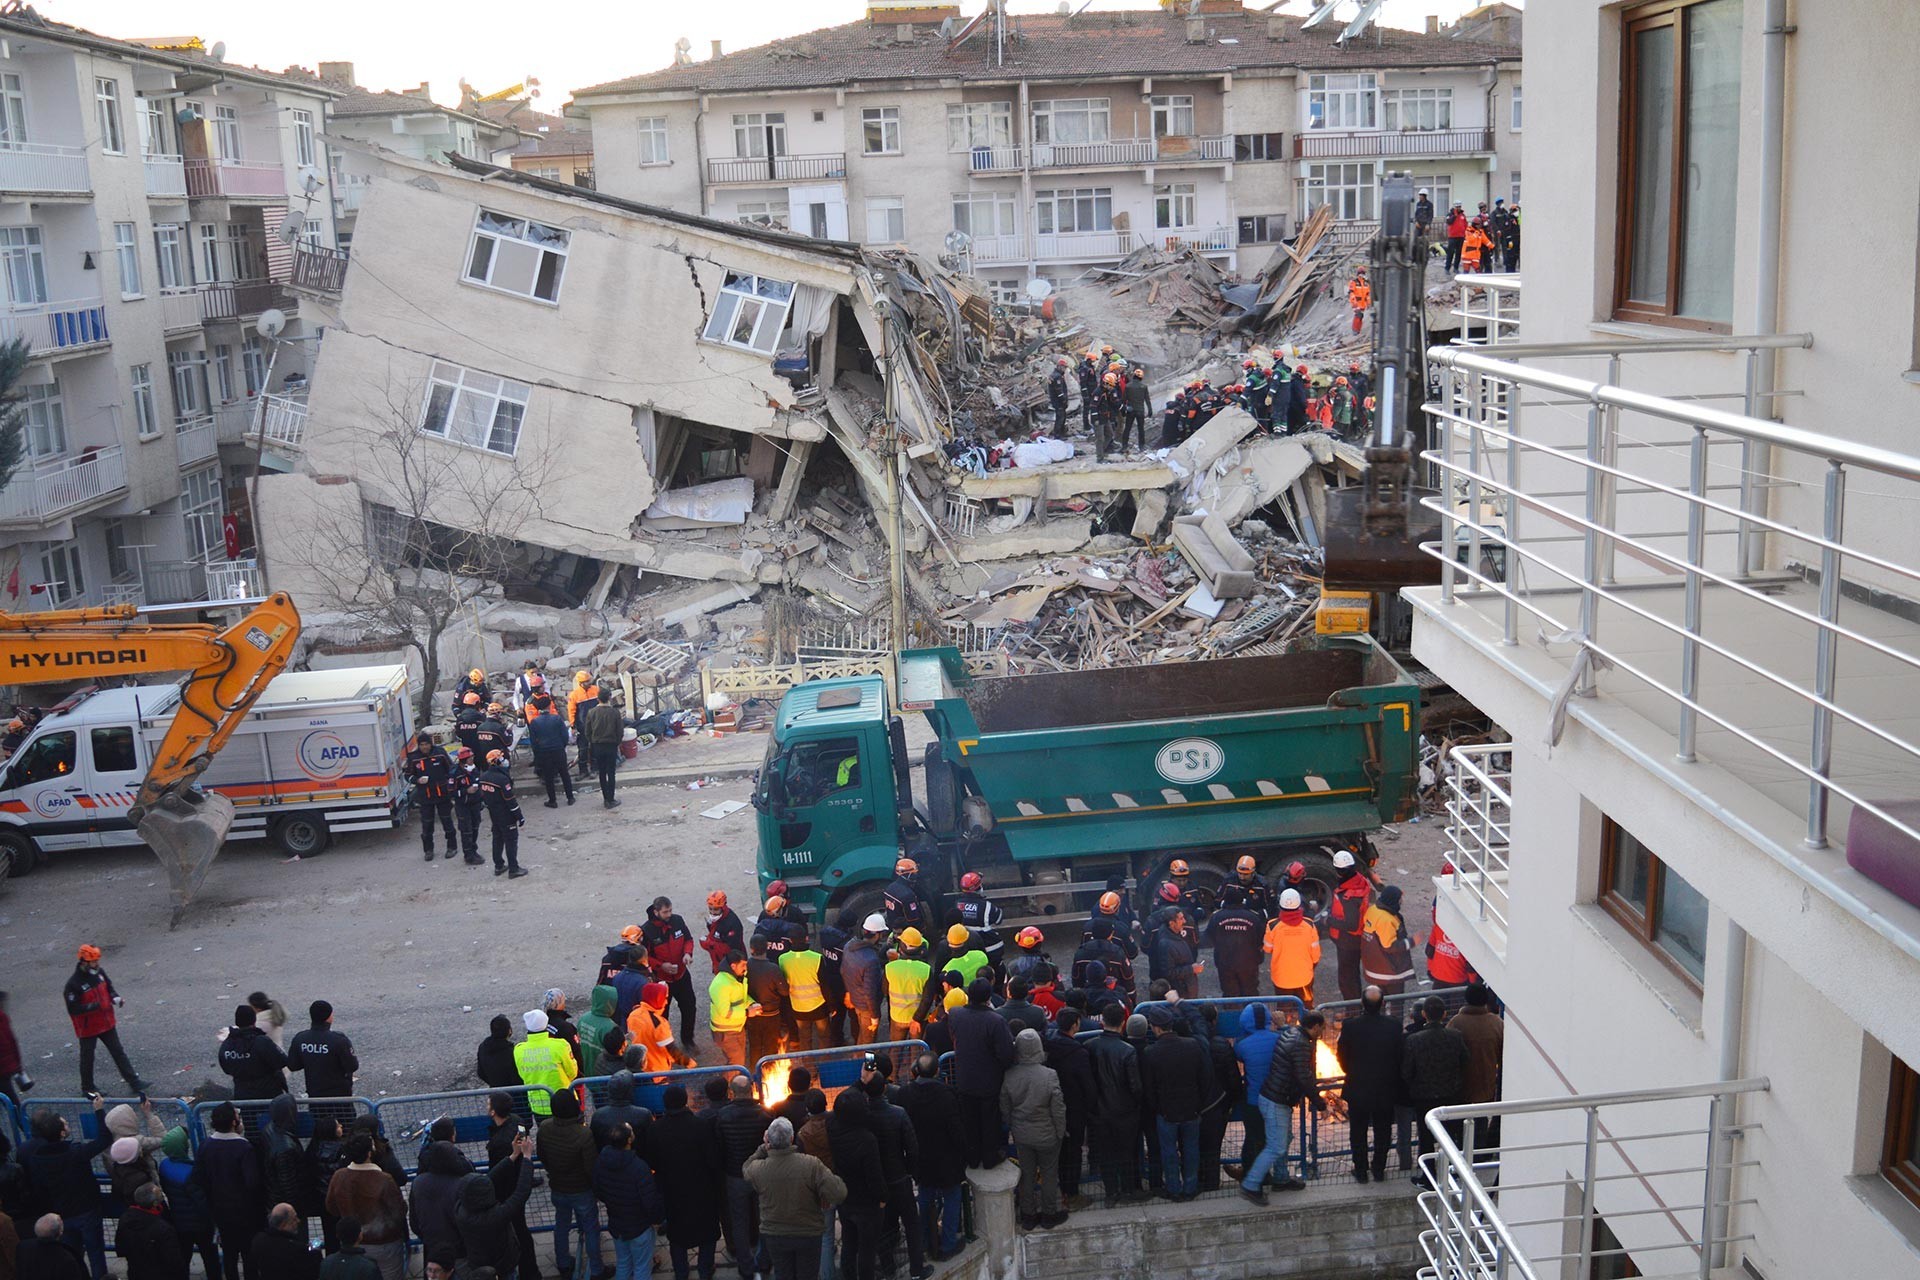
(1094, 114)
(210, 253)
(979, 124)
(1352, 187)
(775, 214)
(226, 125)
(43, 421)
(754, 132)
(1173, 115)
(187, 375)
(654, 142)
(474, 409)
(986, 213)
(1439, 187)
(303, 148)
(223, 372)
(121, 566)
(313, 233)
(1006, 290)
(1087, 205)
(126, 250)
(201, 510)
(513, 239)
(253, 363)
(155, 126)
(886, 219)
(238, 258)
(13, 111)
(146, 412)
(1176, 207)
(173, 269)
(1513, 116)
(1513, 189)
(1347, 101)
(550, 172)
(1425, 110)
(106, 105)
(23, 258)
(63, 570)
(1261, 228)
(749, 312)
(879, 131)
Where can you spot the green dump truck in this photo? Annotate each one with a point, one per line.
(1049, 784)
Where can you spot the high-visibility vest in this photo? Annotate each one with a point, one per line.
(544, 1064)
(653, 1031)
(802, 971)
(968, 964)
(727, 1002)
(906, 983)
(1294, 950)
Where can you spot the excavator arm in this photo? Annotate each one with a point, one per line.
(227, 671)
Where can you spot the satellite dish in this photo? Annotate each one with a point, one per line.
(958, 242)
(309, 180)
(219, 51)
(1039, 289)
(271, 322)
(288, 232)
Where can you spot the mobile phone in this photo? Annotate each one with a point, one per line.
(871, 1062)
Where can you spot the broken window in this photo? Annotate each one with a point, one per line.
(749, 312)
(763, 213)
(517, 256)
(477, 409)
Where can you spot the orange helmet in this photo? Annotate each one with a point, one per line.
(717, 900)
(1340, 382)
(1245, 866)
(631, 933)
(1106, 349)
(496, 756)
(1249, 363)
(970, 881)
(1169, 892)
(1179, 867)
(906, 867)
(775, 905)
(1112, 379)
(89, 953)
(1029, 938)
(471, 700)
(1109, 903)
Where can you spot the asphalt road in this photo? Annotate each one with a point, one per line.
(416, 957)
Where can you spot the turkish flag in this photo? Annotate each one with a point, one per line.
(230, 530)
(13, 581)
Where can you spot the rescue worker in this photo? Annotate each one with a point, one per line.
(525, 685)
(1297, 400)
(617, 955)
(91, 1001)
(1174, 415)
(908, 978)
(467, 804)
(474, 682)
(1259, 893)
(727, 1005)
(580, 700)
(1423, 214)
(1346, 920)
(1106, 416)
(1057, 395)
(1386, 944)
(863, 975)
(1030, 962)
(491, 733)
(547, 735)
(430, 770)
(669, 945)
(467, 717)
(1456, 237)
(1259, 394)
(963, 956)
(1237, 932)
(650, 1030)
(1168, 899)
(724, 934)
(767, 1017)
(1100, 947)
(1359, 297)
(1342, 409)
(1500, 228)
(904, 905)
(503, 816)
(779, 919)
(544, 1062)
(806, 995)
(1279, 392)
(1193, 899)
(976, 911)
(1359, 380)
(1137, 405)
(1292, 945)
(1295, 879)
(1476, 250)
(1088, 376)
(1446, 967)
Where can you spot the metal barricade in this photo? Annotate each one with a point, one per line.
(833, 1069)
(650, 1088)
(86, 1126)
(253, 1114)
(405, 1122)
(10, 1121)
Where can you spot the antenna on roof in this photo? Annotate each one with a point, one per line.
(683, 52)
(219, 51)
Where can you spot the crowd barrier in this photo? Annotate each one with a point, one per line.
(253, 1114)
(650, 1090)
(10, 1121)
(834, 1069)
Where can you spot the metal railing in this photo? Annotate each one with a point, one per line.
(283, 422)
(133, 593)
(320, 268)
(1480, 826)
(1212, 240)
(1071, 245)
(236, 178)
(172, 581)
(179, 309)
(350, 196)
(38, 167)
(1490, 303)
(234, 422)
(196, 439)
(1496, 1207)
(1002, 158)
(1316, 145)
(233, 579)
(1093, 155)
(166, 177)
(56, 326)
(233, 299)
(777, 168)
(57, 487)
(999, 249)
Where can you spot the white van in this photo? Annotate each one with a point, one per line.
(320, 752)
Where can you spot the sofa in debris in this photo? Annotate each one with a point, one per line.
(1216, 555)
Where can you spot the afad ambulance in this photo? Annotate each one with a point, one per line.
(319, 754)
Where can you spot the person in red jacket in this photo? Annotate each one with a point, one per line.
(10, 1063)
(669, 947)
(91, 1001)
(1346, 919)
(724, 931)
(1456, 237)
(1446, 967)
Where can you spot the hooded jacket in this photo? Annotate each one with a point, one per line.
(485, 1222)
(856, 1153)
(625, 1184)
(566, 1149)
(327, 1060)
(283, 1162)
(124, 1122)
(934, 1109)
(443, 1168)
(593, 1028)
(1369, 1050)
(1254, 1048)
(496, 1067)
(1030, 1095)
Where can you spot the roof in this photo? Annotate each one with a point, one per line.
(1093, 44)
(562, 141)
(28, 23)
(355, 101)
(115, 704)
(864, 698)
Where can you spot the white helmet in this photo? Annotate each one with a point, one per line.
(875, 923)
(1342, 860)
(1289, 899)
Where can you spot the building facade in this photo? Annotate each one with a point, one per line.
(1053, 142)
(1689, 874)
(152, 202)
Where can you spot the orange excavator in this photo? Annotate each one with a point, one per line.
(227, 670)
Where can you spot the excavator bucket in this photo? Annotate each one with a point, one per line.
(185, 830)
(1358, 559)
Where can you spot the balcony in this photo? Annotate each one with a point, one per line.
(996, 159)
(54, 328)
(166, 178)
(248, 179)
(1413, 144)
(1182, 148)
(324, 270)
(232, 422)
(998, 249)
(179, 309)
(763, 169)
(196, 439)
(233, 579)
(33, 168)
(1078, 246)
(1212, 240)
(1489, 310)
(349, 197)
(283, 424)
(1094, 155)
(54, 489)
(173, 581)
(238, 299)
(1479, 835)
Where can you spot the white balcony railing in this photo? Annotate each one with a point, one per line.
(1489, 309)
(236, 178)
(166, 177)
(173, 581)
(1091, 155)
(998, 249)
(133, 593)
(349, 197)
(1076, 245)
(56, 326)
(996, 159)
(232, 579)
(1211, 240)
(55, 488)
(1479, 829)
(196, 439)
(36, 167)
(179, 309)
(285, 421)
(1176, 148)
(234, 422)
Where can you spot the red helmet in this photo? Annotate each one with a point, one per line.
(1029, 938)
(1245, 866)
(778, 889)
(1178, 867)
(1169, 892)
(1109, 903)
(970, 881)
(1296, 871)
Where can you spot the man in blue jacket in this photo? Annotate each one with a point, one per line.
(547, 735)
(1254, 1048)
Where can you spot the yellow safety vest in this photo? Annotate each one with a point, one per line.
(906, 983)
(802, 970)
(544, 1064)
(844, 775)
(727, 1002)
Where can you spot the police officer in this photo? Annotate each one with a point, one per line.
(326, 1058)
(467, 804)
(503, 815)
(490, 735)
(430, 770)
(973, 909)
(1057, 396)
(905, 907)
(1260, 895)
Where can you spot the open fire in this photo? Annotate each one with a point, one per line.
(1326, 1066)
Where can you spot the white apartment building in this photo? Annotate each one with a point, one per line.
(1694, 873)
(1056, 141)
(143, 197)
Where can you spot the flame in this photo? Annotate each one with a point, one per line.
(1326, 1066)
(773, 1088)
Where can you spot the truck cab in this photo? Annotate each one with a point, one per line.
(71, 783)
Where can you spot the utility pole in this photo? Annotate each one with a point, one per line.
(896, 497)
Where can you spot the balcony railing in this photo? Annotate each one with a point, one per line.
(1093, 155)
(1075, 245)
(1212, 240)
(53, 489)
(1316, 145)
(1177, 147)
(1480, 830)
(133, 593)
(999, 249)
(179, 309)
(233, 579)
(777, 168)
(284, 422)
(235, 299)
(1000, 158)
(350, 197)
(318, 268)
(236, 178)
(1513, 1211)
(232, 422)
(166, 177)
(1489, 309)
(174, 581)
(51, 327)
(196, 439)
(37, 168)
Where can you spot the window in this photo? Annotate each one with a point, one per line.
(253, 363)
(1513, 188)
(749, 311)
(1081, 209)
(1343, 101)
(26, 265)
(146, 416)
(1258, 146)
(239, 254)
(187, 371)
(815, 770)
(763, 213)
(313, 233)
(1263, 228)
(226, 125)
(65, 576)
(113, 749)
(303, 152)
(1650, 899)
(1679, 164)
(1514, 121)
(886, 219)
(1900, 1159)
(473, 408)
(979, 124)
(1439, 188)
(106, 100)
(518, 256)
(170, 256)
(759, 133)
(1173, 115)
(48, 756)
(1072, 120)
(46, 421)
(223, 372)
(1350, 188)
(1408, 110)
(13, 110)
(880, 131)
(1007, 290)
(119, 564)
(127, 250)
(653, 140)
(550, 172)
(201, 509)
(155, 127)
(986, 213)
(1173, 206)
(209, 252)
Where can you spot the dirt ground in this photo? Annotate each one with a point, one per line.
(416, 957)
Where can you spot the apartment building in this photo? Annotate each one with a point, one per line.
(152, 200)
(553, 147)
(1057, 141)
(1691, 874)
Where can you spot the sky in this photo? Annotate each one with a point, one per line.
(396, 44)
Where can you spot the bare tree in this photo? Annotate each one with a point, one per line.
(437, 531)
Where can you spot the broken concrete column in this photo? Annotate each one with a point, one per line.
(787, 494)
(1149, 512)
